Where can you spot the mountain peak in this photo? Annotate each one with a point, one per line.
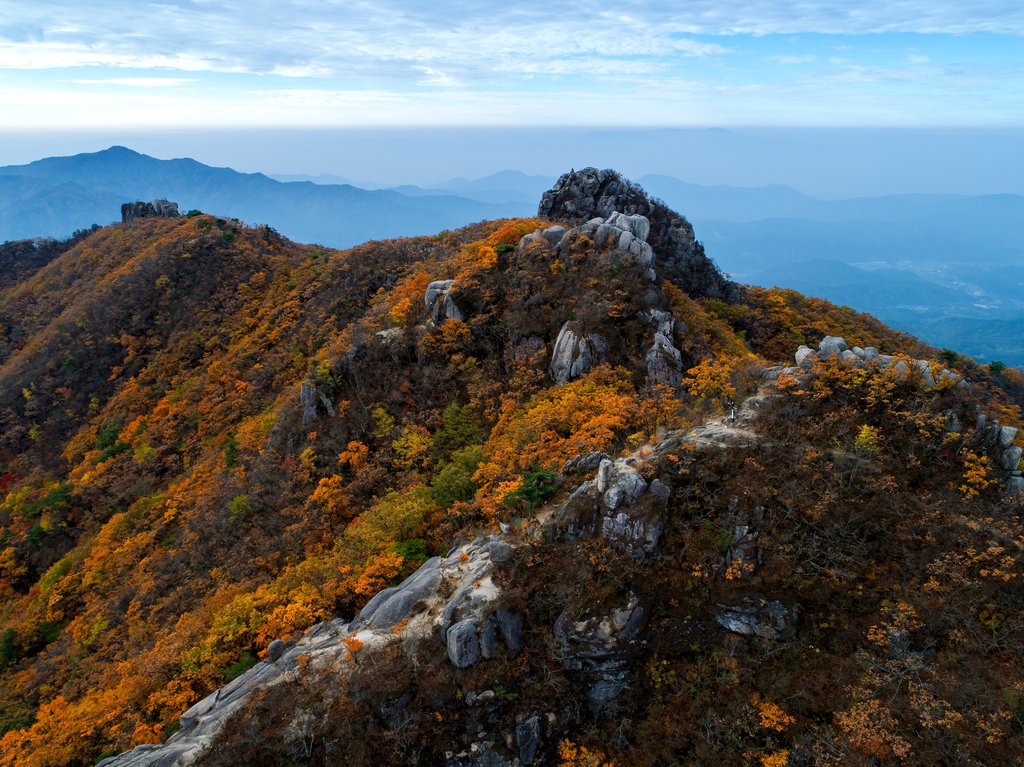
(581, 195)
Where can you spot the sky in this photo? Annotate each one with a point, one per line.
(76, 64)
(837, 99)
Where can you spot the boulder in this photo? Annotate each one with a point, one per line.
(925, 369)
(510, 624)
(463, 644)
(831, 346)
(604, 474)
(489, 639)
(553, 234)
(439, 303)
(768, 620)
(528, 738)
(1010, 458)
(659, 490)
(638, 226)
(575, 353)
(1006, 436)
(806, 357)
(276, 649)
(848, 356)
(664, 362)
(624, 486)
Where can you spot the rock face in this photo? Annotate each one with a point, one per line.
(579, 196)
(619, 504)
(758, 618)
(314, 403)
(440, 305)
(600, 647)
(575, 353)
(131, 211)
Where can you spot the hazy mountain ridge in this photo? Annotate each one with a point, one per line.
(328, 214)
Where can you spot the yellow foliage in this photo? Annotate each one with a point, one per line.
(711, 381)
(976, 474)
(772, 716)
(576, 418)
(778, 758)
(378, 572)
(572, 755)
(353, 456)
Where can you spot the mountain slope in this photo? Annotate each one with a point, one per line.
(214, 438)
(331, 214)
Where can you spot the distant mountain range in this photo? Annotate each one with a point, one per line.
(945, 267)
(57, 195)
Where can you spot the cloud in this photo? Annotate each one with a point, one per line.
(464, 40)
(138, 82)
(788, 60)
(398, 61)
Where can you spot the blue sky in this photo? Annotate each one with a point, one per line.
(225, 63)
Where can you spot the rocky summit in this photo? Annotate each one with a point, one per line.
(132, 211)
(544, 491)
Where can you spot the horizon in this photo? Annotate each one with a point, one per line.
(829, 163)
(881, 98)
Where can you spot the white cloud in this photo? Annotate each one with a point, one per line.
(139, 82)
(464, 40)
(790, 60)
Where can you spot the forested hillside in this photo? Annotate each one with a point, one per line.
(212, 438)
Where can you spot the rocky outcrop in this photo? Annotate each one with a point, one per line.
(132, 211)
(617, 503)
(315, 403)
(997, 442)
(664, 361)
(758, 618)
(413, 612)
(599, 647)
(580, 196)
(834, 347)
(575, 352)
(993, 439)
(622, 237)
(439, 302)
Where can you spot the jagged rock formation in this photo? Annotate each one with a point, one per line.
(760, 618)
(315, 403)
(575, 353)
(132, 211)
(580, 196)
(439, 302)
(664, 361)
